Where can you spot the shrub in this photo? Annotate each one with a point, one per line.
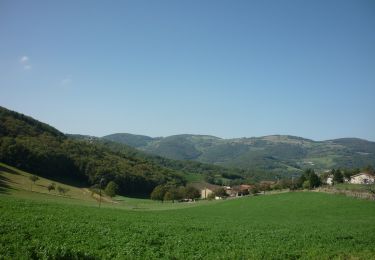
(192, 193)
(306, 185)
(111, 189)
(62, 190)
(254, 190)
(221, 193)
(50, 187)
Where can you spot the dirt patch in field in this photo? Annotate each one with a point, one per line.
(97, 197)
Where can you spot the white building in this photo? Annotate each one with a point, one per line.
(329, 180)
(205, 193)
(362, 178)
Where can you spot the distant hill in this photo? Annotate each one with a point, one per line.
(279, 154)
(132, 140)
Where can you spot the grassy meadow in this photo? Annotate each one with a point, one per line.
(17, 184)
(37, 224)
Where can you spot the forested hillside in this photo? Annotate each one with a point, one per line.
(38, 148)
(43, 150)
(277, 154)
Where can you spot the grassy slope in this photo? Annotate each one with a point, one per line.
(16, 183)
(284, 226)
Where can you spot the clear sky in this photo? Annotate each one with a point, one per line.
(225, 68)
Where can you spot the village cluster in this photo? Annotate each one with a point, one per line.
(360, 178)
(211, 191)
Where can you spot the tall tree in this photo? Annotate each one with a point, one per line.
(158, 193)
(338, 177)
(33, 178)
(312, 178)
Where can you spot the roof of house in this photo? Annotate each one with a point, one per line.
(202, 185)
(267, 182)
(242, 187)
(363, 173)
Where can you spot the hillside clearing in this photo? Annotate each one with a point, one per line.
(17, 183)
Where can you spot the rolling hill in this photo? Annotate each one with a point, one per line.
(40, 149)
(276, 153)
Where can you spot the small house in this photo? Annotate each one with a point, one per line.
(329, 180)
(241, 190)
(206, 189)
(206, 192)
(362, 178)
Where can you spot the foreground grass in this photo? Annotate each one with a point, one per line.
(283, 226)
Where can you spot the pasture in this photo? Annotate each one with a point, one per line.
(296, 225)
(16, 183)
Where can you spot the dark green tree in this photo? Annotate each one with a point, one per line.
(312, 178)
(348, 174)
(337, 176)
(369, 169)
(158, 193)
(192, 193)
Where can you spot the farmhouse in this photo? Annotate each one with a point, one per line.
(329, 180)
(362, 178)
(206, 189)
(240, 190)
(206, 192)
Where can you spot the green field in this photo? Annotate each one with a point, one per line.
(35, 223)
(283, 226)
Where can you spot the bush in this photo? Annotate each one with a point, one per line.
(50, 187)
(306, 185)
(111, 189)
(62, 190)
(34, 178)
(192, 193)
(254, 190)
(221, 193)
(211, 196)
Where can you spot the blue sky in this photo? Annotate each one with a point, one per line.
(224, 68)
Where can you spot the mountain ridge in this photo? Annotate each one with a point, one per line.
(275, 153)
(233, 138)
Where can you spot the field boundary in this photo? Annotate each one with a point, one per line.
(349, 193)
